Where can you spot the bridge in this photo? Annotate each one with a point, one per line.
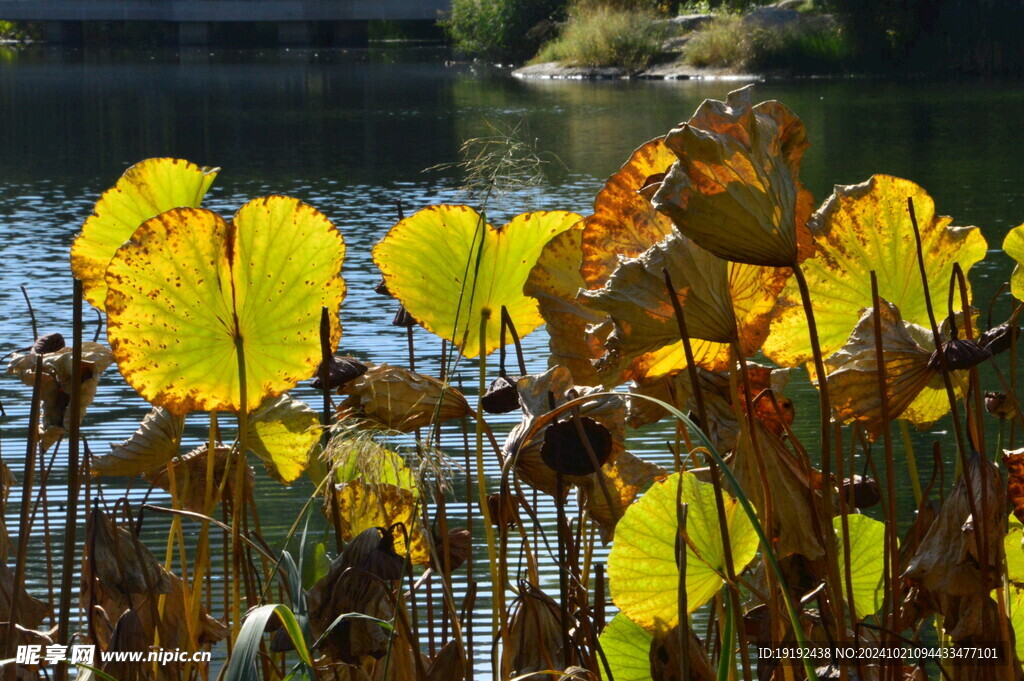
(298, 21)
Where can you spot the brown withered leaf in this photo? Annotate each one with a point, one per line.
(788, 476)
(448, 664)
(554, 281)
(723, 302)
(734, 188)
(624, 223)
(624, 478)
(666, 651)
(363, 505)
(535, 633)
(914, 390)
(55, 384)
(946, 570)
(1014, 462)
(609, 411)
(151, 446)
(190, 478)
(31, 611)
(115, 581)
(359, 581)
(401, 399)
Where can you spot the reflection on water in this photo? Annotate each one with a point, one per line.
(352, 131)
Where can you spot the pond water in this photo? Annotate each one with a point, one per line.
(352, 132)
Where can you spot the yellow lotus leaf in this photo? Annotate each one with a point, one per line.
(191, 292)
(190, 477)
(642, 571)
(450, 269)
(144, 191)
(156, 442)
(861, 228)
(362, 505)
(362, 458)
(555, 281)
(624, 478)
(627, 647)
(401, 399)
(867, 561)
(914, 391)
(1013, 244)
(284, 432)
(722, 302)
(624, 223)
(734, 188)
(534, 395)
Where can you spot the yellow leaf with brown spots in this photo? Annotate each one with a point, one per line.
(451, 270)
(624, 223)
(1013, 244)
(191, 292)
(362, 505)
(624, 478)
(144, 191)
(734, 188)
(860, 228)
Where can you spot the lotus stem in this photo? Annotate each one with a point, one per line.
(238, 503)
(23, 520)
(684, 609)
(74, 481)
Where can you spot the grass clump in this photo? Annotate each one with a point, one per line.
(808, 46)
(502, 30)
(603, 35)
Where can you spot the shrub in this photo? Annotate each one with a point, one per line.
(605, 36)
(808, 47)
(502, 30)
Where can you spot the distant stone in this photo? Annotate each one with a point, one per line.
(771, 18)
(691, 22)
(555, 70)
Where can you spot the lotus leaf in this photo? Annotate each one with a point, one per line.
(364, 459)
(190, 293)
(156, 442)
(144, 191)
(55, 384)
(642, 570)
(793, 484)
(401, 399)
(554, 281)
(861, 228)
(190, 477)
(1013, 244)
(535, 633)
(1014, 462)
(31, 611)
(867, 561)
(624, 478)
(914, 390)
(1013, 547)
(624, 223)
(1015, 613)
(364, 505)
(284, 432)
(534, 391)
(734, 188)
(626, 646)
(723, 302)
(450, 270)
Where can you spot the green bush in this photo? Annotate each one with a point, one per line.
(502, 30)
(606, 36)
(806, 48)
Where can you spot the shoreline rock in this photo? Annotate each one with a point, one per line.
(667, 71)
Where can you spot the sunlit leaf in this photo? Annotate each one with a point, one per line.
(364, 505)
(362, 458)
(722, 302)
(1015, 613)
(554, 281)
(451, 270)
(642, 571)
(156, 442)
(867, 561)
(284, 432)
(624, 223)
(191, 291)
(1013, 545)
(1014, 462)
(1013, 244)
(626, 647)
(144, 191)
(914, 391)
(734, 188)
(624, 478)
(401, 399)
(861, 228)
